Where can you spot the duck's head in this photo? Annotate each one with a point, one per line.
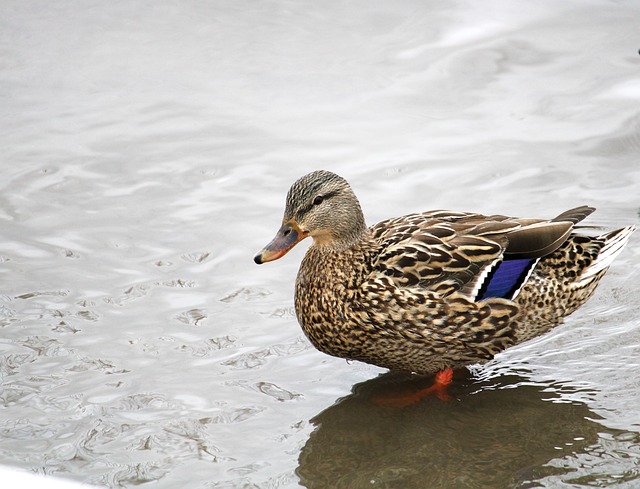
(323, 206)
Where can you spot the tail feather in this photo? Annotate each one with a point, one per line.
(614, 242)
(575, 215)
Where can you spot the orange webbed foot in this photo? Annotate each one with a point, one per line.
(443, 379)
(407, 396)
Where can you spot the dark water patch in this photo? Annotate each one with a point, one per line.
(501, 433)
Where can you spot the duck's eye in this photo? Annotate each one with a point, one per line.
(318, 200)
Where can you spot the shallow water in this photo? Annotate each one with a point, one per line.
(147, 150)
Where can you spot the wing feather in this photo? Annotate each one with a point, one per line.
(455, 251)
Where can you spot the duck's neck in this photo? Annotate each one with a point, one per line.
(328, 281)
(336, 267)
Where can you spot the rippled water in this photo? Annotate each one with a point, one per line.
(146, 151)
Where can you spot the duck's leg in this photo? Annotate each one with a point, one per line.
(443, 379)
(407, 397)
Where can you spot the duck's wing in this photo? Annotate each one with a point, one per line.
(445, 251)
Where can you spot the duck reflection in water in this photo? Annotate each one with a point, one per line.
(498, 437)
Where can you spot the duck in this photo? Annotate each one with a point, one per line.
(434, 291)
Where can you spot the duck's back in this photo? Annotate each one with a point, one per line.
(543, 266)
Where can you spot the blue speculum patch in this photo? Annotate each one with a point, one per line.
(506, 279)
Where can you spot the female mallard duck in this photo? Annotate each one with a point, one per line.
(436, 290)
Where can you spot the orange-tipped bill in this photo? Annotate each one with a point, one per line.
(288, 236)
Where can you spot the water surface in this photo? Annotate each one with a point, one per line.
(147, 150)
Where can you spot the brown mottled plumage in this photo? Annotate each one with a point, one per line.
(414, 293)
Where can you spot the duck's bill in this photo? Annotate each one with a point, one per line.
(288, 236)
